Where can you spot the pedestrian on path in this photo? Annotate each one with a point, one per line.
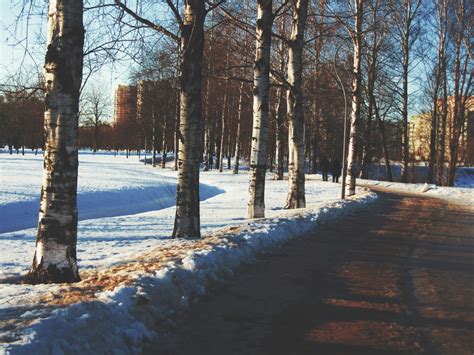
(324, 167)
(335, 170)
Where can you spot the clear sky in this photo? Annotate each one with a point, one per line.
(13, 41)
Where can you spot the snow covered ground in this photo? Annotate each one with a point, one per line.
(134, 275)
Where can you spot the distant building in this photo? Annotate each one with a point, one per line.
(125, 106)
(420, 132)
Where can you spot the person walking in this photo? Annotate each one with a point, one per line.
(335, 170)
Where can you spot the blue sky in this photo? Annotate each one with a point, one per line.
(12, 53)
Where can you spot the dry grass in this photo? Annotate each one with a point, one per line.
(101, 280)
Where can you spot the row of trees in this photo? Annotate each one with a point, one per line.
(21, 119)
(314, 64)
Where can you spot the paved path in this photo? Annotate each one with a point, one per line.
(397, 278)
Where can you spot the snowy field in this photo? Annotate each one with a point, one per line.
(134, 275)
(108, 186)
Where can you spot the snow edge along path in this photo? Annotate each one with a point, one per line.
(457, 195)
(122, 321)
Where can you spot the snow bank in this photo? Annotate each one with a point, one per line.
(122, 320)
(463, 195)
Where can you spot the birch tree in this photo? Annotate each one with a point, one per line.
(442, 12)
(461, 32)
(377, 38)
(295, 113)
(223, 125)
(191, 43)
(187, 219)
(405, 12)
(239, 129)
(55, 255)
(280, 108)
(261, 87)
(356, 98)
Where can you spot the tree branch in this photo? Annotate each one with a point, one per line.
(146, 22)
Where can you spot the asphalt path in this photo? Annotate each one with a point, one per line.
(394, 278)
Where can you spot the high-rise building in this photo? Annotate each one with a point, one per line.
(125, 106)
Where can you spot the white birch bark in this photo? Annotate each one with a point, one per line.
(239, 123)
(280, 134)
(164, 145)
(55, 255)
(261, 87)
(223, 129)
(435, 112)
(294, 96)
(187, 219)
(356, 99)
(207, 118)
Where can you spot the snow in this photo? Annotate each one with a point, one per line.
(134, 276)
(464, 175)
(461, 195)
(108, 186)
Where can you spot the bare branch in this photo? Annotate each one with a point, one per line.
(146, 22)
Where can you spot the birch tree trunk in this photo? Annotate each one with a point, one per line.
(239, 123)
(454, 141)
(405, 143)
(280, 134)
(229, 135)
(356, 100)
(442, 137)
(207, 118)
(153, 137)
(187, 220)
(434, 115)
(280, 109)
(218, 140)
(55, 254)
(383, 139)
(178, 104)
(223, 130)
(405, 27)
(164, 146)
(371, 77)
(314, 140)
(294, 99)
(261, 87)
(176, 131)
(463, 81)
